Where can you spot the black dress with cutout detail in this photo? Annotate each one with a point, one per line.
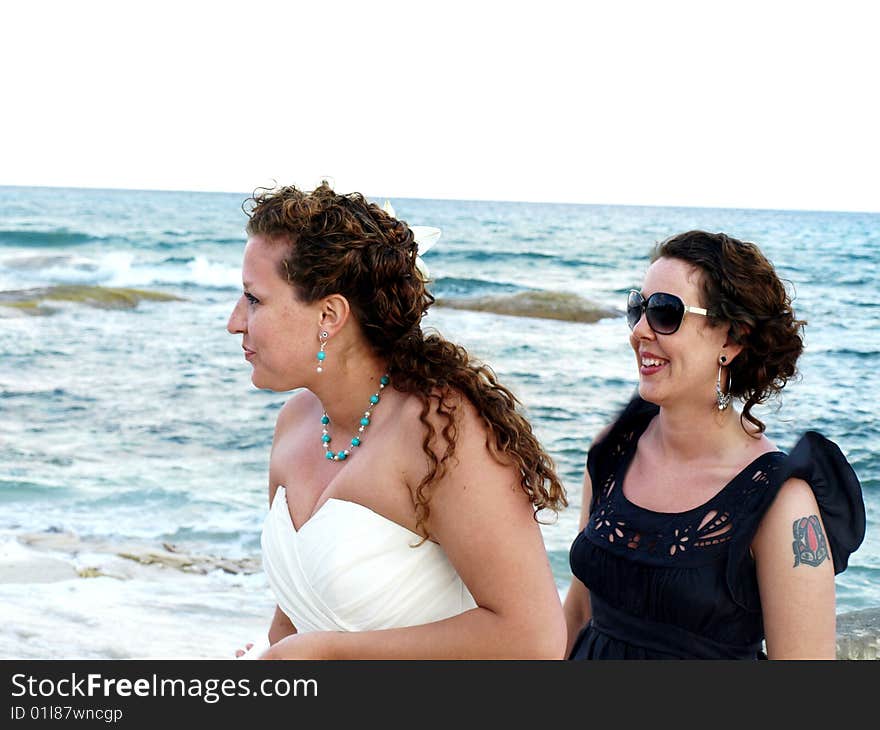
(684, 585)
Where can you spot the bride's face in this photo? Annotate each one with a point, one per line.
(279, 332)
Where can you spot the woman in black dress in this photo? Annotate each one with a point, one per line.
(699, 538)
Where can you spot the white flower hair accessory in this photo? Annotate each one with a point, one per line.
(425, 238)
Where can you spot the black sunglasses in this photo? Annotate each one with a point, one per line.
(664, 312)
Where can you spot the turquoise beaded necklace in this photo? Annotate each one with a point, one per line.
(356, 441)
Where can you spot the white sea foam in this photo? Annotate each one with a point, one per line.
(208, 273)
(115, 269)
(200, 271)
(126, 611)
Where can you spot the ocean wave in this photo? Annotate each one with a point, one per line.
(867, 573)
(869, 351)
(57, 237)
(14, 490)
(191, 536)
(523, 258)
(198, 271)
(462, 286)
(120, 269)
(527, 238)
(538, 304)
(853, 280)
(523, 377)
(56, 394)
(857, 256)
(152, 497)
(195, 239)
(50, 392)
(480, 256)
(47, 269)
(44, 262)
(554, 413)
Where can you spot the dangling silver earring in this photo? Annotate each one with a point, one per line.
(321, 354)
(723, 398)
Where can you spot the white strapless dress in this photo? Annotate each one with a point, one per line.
(351, 569)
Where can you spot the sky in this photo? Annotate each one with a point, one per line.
(770, 104)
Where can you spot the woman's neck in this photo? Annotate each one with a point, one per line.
(694, 431)
(346, 384)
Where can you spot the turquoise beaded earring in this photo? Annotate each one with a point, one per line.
(321, 354)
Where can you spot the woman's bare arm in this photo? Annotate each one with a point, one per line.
(796, 587)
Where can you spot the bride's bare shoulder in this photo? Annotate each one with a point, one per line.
(299, 406)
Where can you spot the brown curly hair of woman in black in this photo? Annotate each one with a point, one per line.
(343, 244)
(741, 288)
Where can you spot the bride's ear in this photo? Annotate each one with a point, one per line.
(333, 313)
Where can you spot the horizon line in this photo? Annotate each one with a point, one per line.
(458, 200)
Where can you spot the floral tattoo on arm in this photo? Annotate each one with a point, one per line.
(809, 543)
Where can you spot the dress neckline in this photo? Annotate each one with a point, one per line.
(630, 453)
(325, 503)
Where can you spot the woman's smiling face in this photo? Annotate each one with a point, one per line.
(279, 332)
(682, 366)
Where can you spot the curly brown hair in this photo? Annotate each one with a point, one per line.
(741, 289)
(343, 244)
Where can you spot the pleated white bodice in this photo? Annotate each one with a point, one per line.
(351, 569)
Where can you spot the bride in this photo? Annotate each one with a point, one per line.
(404, 483)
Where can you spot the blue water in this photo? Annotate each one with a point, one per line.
(142, 423)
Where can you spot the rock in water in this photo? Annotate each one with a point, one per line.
(858, 634)
(32, 301)
(539, 304)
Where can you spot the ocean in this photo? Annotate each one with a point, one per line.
(134, 449)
